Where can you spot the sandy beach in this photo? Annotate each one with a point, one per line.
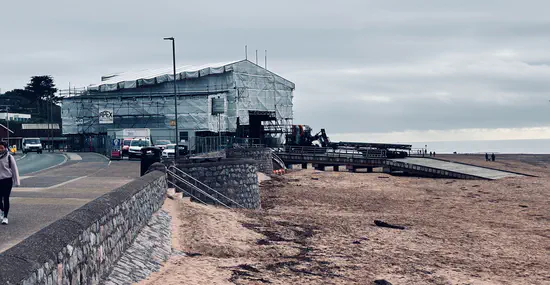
(318, 228)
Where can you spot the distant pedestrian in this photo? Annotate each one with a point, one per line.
(434, 153)
(486, 157)
(430, 153)
(493, 157)
(9, 176)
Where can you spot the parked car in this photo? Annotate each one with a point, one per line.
(32, 144)
(125, 146)
(162, 144)
(169, 151)
(135, 147)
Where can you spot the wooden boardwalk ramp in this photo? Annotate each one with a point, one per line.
(440, 168)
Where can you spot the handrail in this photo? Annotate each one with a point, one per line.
(278, 160)
(204, 185)
(335, 153)
(185, 192)
(195, 187)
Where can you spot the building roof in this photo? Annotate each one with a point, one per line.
(128, 80)
(39, 127)
(6, 128)
(132, 79)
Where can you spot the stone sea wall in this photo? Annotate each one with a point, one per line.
(234, 178)
(82, 247)
(262, 155)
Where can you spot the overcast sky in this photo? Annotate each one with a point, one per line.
(364, 70)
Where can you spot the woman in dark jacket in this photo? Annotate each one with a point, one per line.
(9, 176)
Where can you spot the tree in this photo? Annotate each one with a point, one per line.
(38, 99)
(18, 93)
(43, 88)
(42, 91)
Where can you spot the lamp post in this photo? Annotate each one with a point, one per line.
(8, 124)
(176, 151)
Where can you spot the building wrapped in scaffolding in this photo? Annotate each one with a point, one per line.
(237, 99)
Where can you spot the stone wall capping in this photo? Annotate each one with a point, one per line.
(81, 247)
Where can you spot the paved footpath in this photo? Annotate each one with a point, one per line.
(50, 194)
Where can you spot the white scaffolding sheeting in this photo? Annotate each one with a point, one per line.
(144, 99)
(130, 80)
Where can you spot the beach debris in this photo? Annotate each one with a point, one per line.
(356, 242)
(381, 282)
(450, 182)
(192, 254)
(386, 225)
(263, 242)
(383, 177)
(524, 206)
(475, 186)
(248, 267)
(314, 178)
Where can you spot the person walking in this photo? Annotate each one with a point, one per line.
(493, 157)
(486, 157)
(9, 177)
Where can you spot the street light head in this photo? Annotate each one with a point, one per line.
(169, 39)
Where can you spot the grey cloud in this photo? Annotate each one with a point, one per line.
(359, 66)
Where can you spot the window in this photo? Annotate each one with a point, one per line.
(162, 142)
(141, 143)
(31, 141)
(184, 136)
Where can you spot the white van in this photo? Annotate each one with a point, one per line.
(32, 144)
(135, 146)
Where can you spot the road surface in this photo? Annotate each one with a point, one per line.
(50, 194)
(33, 162)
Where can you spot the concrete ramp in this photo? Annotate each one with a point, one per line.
(440, 168)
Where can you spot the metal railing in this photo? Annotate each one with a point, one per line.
(419, 152)
(197, 186)
(334, 153)
(278, 160)
(218, 143)
(176, 186)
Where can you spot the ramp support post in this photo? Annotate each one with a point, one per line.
(320, 167)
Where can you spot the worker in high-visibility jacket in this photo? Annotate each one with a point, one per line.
(13, 149)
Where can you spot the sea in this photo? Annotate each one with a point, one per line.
(527, 146)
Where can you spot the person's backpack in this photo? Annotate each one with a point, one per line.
(9, 161)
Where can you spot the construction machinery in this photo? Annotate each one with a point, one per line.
(302, 136)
